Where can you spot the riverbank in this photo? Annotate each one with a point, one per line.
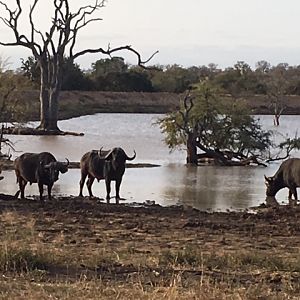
(79, 103)
(80, 248)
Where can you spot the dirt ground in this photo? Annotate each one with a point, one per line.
(153, 245)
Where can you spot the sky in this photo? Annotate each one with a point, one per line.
(187, 33)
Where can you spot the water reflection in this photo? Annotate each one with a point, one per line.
(205, 187)
(215, 187)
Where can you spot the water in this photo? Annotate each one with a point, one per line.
(205, 187)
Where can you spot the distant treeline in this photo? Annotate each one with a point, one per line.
(113, 74)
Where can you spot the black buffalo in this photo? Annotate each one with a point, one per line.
(108, 165)
(41, 168)
(288, 175)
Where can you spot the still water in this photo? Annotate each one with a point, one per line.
(205, 187)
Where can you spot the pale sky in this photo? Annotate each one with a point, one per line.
(188, 33)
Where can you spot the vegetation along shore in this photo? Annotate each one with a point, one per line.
(78, 103)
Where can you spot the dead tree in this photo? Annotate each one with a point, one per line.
(278, 108)
(52, 47)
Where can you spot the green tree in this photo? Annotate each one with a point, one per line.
(222, 131)
(239, 80)
(74, 78)
(13, 108)
(103, 67)
(172, 78)
(113, 74)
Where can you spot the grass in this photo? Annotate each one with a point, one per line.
(21, 248)
(39, 264)
(23, 260)
(242, 260)
(99, 289)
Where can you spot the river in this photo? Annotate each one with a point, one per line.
(205, 187)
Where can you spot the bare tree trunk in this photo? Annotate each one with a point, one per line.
(44, 99)
(276, 119)
(53, 110)
(49, 94)
(1, 139)
(57, 78)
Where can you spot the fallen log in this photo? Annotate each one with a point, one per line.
(35, 131)
(9, 165)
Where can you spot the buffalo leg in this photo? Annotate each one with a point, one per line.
(89, 185)
(49, 191)
(22, 184)
(293, 191)
(41, 189)
(118, 184)
(81, 183)
(107, 183)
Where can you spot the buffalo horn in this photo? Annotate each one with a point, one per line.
(67, 163)
(268, 179)
(100, 154)
(108, 154)
(47, 166)
(131, 158)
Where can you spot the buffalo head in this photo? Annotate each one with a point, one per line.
(53, 168)
(271, 186)
(118, 157)
(119, 153)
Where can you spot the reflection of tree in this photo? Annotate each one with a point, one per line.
(193, 188)
(211, 187)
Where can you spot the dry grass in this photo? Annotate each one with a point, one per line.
(65, 255)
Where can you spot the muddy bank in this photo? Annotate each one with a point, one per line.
(78, 103)
(148, 248)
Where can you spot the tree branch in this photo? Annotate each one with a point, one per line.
(12, 23)
(110, 51)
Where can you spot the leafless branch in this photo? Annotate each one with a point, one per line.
(140, 62)
(12, 23)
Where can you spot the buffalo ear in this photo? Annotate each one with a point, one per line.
(62, 168)
(268, 180)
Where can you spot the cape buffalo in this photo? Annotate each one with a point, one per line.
(99, 165)
(288, 175)
(41, 168)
